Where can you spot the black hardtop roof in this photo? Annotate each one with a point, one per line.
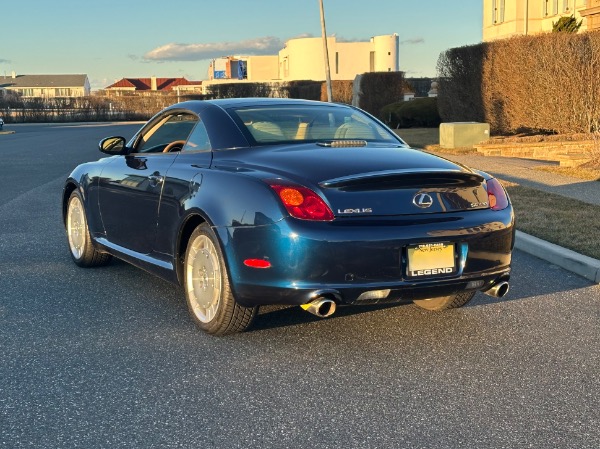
(225, 103)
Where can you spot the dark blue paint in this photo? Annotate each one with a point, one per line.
(137, 205)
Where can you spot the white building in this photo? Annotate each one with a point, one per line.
(47, 86)
(302, 59)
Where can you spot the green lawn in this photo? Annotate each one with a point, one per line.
(419, 137)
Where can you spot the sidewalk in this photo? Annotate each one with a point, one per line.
(522, 172)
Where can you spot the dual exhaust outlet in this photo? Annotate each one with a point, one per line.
(324, 307)
(498, 290)
(321, 307)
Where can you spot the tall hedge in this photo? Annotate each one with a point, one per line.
(417, 113)
(341, 91)
(379, 89)
(547, 82)
(239, 90)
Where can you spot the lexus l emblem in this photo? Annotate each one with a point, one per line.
(422, 200)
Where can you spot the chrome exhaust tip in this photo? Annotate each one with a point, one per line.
(321, 307)
(498, 290)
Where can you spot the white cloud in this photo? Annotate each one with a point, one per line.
(197, 52)
(302, 36)
(418, 40)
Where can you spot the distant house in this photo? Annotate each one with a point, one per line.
(137, 86)
(47, 86)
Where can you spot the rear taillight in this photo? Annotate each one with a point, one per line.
(303, 203)
(497, 196)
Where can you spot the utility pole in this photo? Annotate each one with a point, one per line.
(325, 53)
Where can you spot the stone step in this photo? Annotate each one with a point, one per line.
(577, 152)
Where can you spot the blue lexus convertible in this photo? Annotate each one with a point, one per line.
(247, 202)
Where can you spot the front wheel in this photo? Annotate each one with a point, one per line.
(207, 291)
(78, 235)
(445, 302)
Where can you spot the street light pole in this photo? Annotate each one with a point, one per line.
(325, 53)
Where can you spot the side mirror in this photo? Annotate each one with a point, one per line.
(113, 145)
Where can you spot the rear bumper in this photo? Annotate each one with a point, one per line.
(256, 295)
(345, 259)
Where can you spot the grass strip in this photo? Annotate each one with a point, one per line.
(419, 137)
(564, 221)
(574, 172)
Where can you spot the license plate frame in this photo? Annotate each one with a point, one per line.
(431, 259)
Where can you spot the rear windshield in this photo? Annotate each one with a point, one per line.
(309, 123)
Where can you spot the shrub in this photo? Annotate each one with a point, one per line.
(239, 90)
(341, 91)
(305, 89)
(380, 88)
(417, 113)
(460, 80)
(547, 82)
(567, 24)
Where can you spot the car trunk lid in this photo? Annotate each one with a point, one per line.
(405, 191)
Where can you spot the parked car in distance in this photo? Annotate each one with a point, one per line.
(248, 202)
(1, 123)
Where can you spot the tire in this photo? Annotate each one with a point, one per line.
(445, 302)
(78, 235)
(207, 289)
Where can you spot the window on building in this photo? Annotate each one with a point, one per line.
(372, 61)
(286, 67)
(550, 7)
(498, 11)
(337, 62)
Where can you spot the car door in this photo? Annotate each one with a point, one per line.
(131, 185)
(182, 184)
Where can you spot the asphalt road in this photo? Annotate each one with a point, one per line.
(108, 358)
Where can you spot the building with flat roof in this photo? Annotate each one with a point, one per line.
(47, 86)
(302, 59)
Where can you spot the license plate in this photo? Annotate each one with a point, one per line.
(429, 259)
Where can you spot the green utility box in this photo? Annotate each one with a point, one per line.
(463, 134)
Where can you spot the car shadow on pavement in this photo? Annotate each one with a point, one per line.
(530, 278)
(272, 317)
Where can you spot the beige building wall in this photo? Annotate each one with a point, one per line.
(506, 18)
(263, 67)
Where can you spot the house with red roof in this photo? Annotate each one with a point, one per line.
(153, 84)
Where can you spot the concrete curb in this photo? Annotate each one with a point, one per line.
(585, 266)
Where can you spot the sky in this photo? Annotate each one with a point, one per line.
(113, 39)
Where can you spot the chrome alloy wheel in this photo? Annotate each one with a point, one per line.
(76, 227)
(203, 278)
